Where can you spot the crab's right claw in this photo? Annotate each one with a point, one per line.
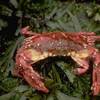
(24, 69)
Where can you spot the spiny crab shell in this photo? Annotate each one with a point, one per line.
(79, 46)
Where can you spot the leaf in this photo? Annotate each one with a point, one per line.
(97, 29)
(60, 13)
(9, 53)
(49, 82)
(6, 11)
(2, 24)
(8, 84)
(52, 25)
(70, 76)
(62, 25)
(98, 45)
(89, 12)
(68, 73)
(48, 17)
(75, 21)
(14, 3)
(56, 74)
(7, 96)
(17, 96)
(19, 14)
(21, 88)
(62, 96)
(23, 98)
(97, 17)
(50, 97)
(36, 97)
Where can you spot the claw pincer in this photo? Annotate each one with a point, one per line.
(79, 46)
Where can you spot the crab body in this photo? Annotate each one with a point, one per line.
(79, 46)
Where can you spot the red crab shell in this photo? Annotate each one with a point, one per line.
(79, 46)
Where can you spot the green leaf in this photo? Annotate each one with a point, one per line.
(89, 12)
(98, 45)
(49, 82)
(70, 76)
(36, 97)
(7, 96)
(49, 16)
(97, 17)
(56, 74)
(50, 97)
(52, 25)
(3, 24)
(14, 3)
(66, 70)
(75, 21)
(8, 84)
(62, 25)
(21, 88)
(23, 98)
(62, 96)
(17, 96)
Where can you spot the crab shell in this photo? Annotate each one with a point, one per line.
(79, 46)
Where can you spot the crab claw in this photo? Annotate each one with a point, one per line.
(35, 80)
(32, 78)
(24, 69)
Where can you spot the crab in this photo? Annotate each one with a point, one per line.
(80, 46)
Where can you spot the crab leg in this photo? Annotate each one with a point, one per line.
(97, 38)
(24, 69)
(26, 32)
(96, 75)
(96, 81)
